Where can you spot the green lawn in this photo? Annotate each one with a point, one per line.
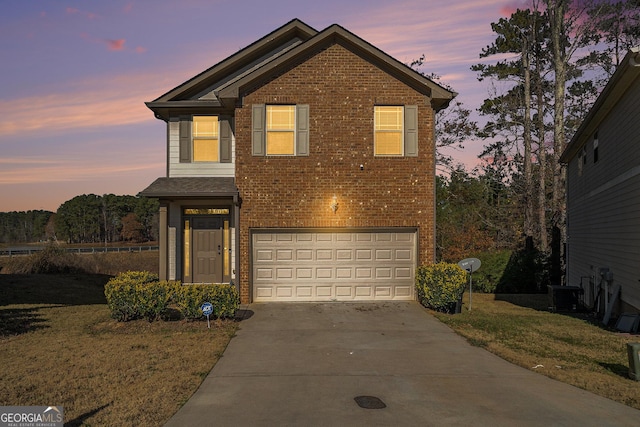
(59, 346)
(573, 349)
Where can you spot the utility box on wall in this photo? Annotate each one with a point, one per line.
(633, 349)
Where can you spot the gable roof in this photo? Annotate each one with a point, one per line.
(626, 73)
(225, 83)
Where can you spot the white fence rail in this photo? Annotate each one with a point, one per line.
(17, 251)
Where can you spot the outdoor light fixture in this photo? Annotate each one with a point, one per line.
(334, 204)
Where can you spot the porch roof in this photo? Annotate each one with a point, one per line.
(167, 188)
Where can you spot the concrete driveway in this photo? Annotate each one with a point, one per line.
(304, 365)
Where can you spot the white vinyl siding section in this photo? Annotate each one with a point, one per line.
(195, 169)
(603, 203)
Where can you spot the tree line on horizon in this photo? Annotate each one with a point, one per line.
(88, 218)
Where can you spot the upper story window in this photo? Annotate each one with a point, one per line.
(206, 140)
(395, 130)
(389, 131)
(281, 130)
(595, 147)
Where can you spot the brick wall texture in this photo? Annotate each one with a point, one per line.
(341, 89)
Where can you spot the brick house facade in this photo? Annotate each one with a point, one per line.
(334, 219)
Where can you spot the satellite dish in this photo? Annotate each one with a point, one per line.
(470, 264)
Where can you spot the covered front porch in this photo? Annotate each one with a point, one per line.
(199, 231)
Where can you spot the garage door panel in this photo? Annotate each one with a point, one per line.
(383, 273)
(383, 255)
(403, 291)
(344, 291)
(324, 291)
(364, 255)
(284, 255)
(324, 273)
(343, 272)
(304, 237)
(364, 237)
(284, 273)
(304, 291)
(344, 237)
(404, 273)
(383, 292)
(304, 255)
(324, 237)
(363, 272)
(264, 273)
(383, 237)
(326, 266)
(284, 292)
(324, 255)
(344, 254)
(264, 255)
(304, 273)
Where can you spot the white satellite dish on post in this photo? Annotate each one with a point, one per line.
(470, 265)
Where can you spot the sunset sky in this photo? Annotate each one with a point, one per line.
(76, 74)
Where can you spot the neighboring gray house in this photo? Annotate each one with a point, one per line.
(603, 191)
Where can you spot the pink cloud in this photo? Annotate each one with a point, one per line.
(117, 44)
(127, 8)
(511, 7)
(141, 49)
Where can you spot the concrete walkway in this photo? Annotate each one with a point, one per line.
(303, 365)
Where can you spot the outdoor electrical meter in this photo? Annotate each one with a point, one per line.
(633, 348)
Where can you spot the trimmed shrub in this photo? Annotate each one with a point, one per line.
(189, 298)
(153, 299)
(139, 294)
(122, 294)
(440, 286)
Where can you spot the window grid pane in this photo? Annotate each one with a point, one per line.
(389, 130)
(205, 150)
(280, 143)
(205, 126)
(281, 124)
(206, 147)
(389, 144)
(389, 118)
(281, 117)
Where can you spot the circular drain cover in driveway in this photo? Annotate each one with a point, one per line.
(369, 402)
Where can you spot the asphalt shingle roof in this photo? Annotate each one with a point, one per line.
(191, 187)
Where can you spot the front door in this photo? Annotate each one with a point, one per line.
(207, 245)
(207, 256)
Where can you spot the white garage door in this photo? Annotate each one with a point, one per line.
(333, 266)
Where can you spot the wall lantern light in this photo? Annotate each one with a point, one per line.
(334, 204)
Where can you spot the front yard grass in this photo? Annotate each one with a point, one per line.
(570, 348)
(59, 346)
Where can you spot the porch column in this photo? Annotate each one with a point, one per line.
(162, 273)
